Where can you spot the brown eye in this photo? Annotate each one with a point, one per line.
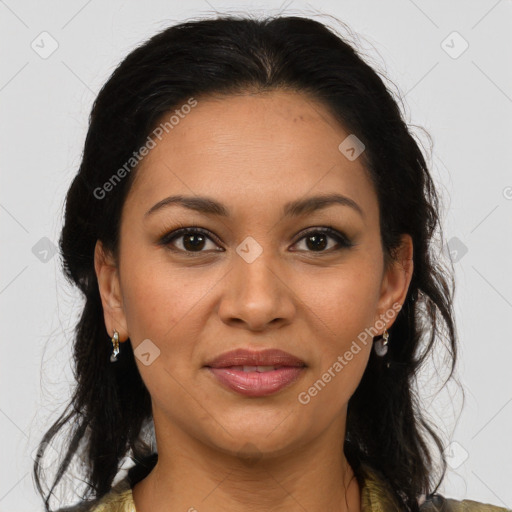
(317, 240)
(195, 240)
(191, 240)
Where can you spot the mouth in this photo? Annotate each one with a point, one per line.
(259, 369)
(256, 374)
(265, 359)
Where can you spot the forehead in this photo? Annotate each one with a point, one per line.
(250, 149)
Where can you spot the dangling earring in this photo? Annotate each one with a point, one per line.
(115, 343)
(381, 345)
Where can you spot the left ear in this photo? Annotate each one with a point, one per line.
(396, 280)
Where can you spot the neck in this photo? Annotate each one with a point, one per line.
(191, 476)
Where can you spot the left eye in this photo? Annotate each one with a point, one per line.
(317, 239)
(193, 240)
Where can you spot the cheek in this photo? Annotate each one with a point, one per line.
(345, 299)
(342, 313)
(342, 305)
(161, 301)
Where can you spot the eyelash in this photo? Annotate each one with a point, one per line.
(167, 239)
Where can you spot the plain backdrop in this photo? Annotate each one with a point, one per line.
(451, 64)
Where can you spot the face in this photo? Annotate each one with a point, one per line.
(255, 273)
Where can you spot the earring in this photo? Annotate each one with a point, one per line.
(381, 345)
(115, 343)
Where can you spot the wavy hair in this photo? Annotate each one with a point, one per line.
(110, 404)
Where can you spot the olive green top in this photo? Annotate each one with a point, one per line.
(375, 497)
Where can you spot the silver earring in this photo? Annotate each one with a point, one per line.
(381, 345)
(115, 343)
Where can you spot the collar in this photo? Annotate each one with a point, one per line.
(376, 494)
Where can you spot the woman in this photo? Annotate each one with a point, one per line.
(251, 227)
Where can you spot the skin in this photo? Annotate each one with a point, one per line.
(253, 153)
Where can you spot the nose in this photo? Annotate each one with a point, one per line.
(256, 295)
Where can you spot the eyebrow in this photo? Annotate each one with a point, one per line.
(296, 208)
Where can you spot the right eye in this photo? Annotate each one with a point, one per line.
(192, 240)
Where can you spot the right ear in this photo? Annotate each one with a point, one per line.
(110, 292)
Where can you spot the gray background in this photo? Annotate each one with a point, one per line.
(462, 98)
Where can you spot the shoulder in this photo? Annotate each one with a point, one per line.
(377, 494)
(119, 499)
(438, 503)
(116, 501)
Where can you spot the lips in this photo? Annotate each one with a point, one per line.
(256, 374)
(264, 360)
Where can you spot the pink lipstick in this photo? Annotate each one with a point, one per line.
(256, 374)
